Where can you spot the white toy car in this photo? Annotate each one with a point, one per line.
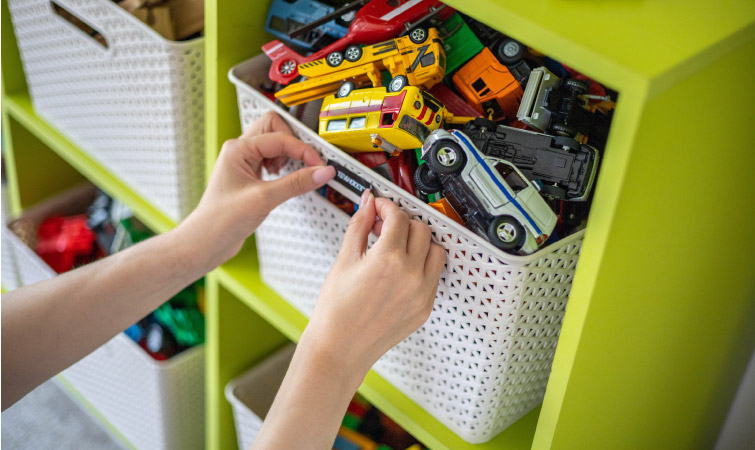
(490, 194)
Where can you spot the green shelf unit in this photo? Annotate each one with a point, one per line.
(656, 335)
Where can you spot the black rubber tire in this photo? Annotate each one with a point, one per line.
(345, 89)
(352, 53)
(512, 245)
(562, 129)
(438, 152)
(426, 181)
(549, 190)
(510, 51)
(418, 35)
(481, 122)
(577, 86)
(334, 59)
(397, 83)
(566, 143)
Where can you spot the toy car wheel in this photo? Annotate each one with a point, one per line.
(446, 157)
(510, 51)
(481, 122)
(397, 83)
(563, 129)
(418, 35)
(345, 89)
(426, 181)
(506, 233)
(353, 53)
(334, 59)
(287, 67)
(549, 190)
(566, 143)
(577, 86)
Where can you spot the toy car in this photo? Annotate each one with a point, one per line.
(493, 198)
(565, 168)
(417, 59)
(489, 86)
(404, 118)
(377, 21)
(286, 16)
(553, 104)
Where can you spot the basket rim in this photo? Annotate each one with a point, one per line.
(515, 260)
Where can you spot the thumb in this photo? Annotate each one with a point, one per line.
(355, 241)
(300, 182)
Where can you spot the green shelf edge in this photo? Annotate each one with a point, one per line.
(110, 428)
(241, 277)
(19, 107)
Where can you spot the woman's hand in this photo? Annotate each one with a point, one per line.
(371, 300)
(236, 200)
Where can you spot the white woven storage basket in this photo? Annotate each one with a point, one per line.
(136, 106)
(155, 404)
(483, 358)
(8, 270)
(252, 394)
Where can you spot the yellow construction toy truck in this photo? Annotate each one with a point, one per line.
(417, 59)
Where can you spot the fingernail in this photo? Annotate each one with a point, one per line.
(365, 196)
(323, 174)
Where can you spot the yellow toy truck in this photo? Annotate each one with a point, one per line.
(376, 119)
(417, 59)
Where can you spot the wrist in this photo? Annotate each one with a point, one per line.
(194, 250)
(333, 360)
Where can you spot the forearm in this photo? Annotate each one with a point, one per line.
(311, 401)
(48, 326)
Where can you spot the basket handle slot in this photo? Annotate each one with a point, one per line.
(79, 23)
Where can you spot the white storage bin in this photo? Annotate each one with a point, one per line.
(155, 404)
(251, 395)
(483, 358)
(136, 106)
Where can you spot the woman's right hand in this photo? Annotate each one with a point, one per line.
(372, 300)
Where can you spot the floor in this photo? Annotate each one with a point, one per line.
(48, 418)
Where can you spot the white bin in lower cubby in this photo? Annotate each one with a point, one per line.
(252, 394)
(156, 405)
(483, 358)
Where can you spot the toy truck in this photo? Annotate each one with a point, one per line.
(555, 105)
(493, 198)
(565, 168)
(376, 21)
(489, 86)
(353, 118)
(286, 16)
(417, 59)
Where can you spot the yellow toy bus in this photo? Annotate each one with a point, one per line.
(415, 59)
(368, 120)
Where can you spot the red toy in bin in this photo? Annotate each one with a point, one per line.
(66, 242)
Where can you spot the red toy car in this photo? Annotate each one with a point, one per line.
(377, 21)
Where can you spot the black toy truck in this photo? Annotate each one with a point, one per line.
(563, 167)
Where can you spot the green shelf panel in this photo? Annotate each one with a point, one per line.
(20, 108)
(73, 392)
(241, 277)
(623, 42)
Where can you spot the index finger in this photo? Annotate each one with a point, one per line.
(272, 145)
(395, 228)
(270, 122)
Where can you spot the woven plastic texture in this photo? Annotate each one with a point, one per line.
(136, 106)
(8, 270)
(483, 358)
(252, 393)
(155, 405)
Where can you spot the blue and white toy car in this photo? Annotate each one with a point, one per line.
(286, 16)
(493, 198)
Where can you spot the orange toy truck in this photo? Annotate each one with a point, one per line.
(489, 86)
(417, 59)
